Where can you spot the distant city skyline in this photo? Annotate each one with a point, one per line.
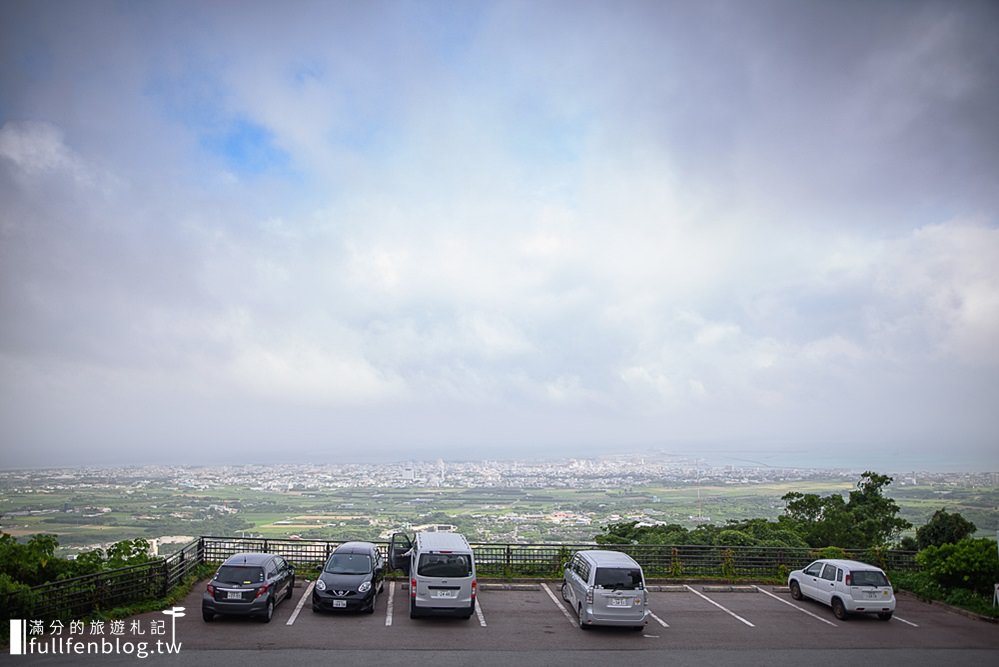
(382, 230)
(802, 459)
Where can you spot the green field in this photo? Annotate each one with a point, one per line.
(84, 516)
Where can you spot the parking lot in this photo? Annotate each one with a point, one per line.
(529, 626)
(532, 617)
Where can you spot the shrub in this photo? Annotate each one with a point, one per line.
(831, 552)
(971, 564)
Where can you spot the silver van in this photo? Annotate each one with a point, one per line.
(606, 588)
(441, 571)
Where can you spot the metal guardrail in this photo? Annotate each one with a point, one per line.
(82, 596)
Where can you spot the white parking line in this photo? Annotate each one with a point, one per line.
(388, 607)
(727, 611)
(791, 604)
(298, 607)
(896, 618)
(661, 621)
(478, 611)
(558, 603)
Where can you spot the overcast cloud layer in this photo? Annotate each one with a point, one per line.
(345, 231)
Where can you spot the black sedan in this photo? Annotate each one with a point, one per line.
(351, 579)
(248, 584)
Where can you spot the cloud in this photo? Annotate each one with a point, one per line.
(942, 285)
(596, 223)
(36, 148)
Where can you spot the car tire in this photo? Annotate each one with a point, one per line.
(839, 609)
(579, 616)
(268, 611)
(565, 586)
(291, 589)
(795, 590)
(371, 607)
(885, 615)
(208, 616)
(413, 611)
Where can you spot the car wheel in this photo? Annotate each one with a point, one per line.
(374, 599)
(579, 613)
(291, 589)
(885, 615)
(839, 610)
(413, 611)
(565, 592)
(208, 616)
(268, 611)
(795, 590)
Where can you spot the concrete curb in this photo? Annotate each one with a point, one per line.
(509, 587)
(729, 589)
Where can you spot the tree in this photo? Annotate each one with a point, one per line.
(867, 518)
(629, 532)
(944, 528)
(822, 522)
(876, 515)
(128, 552)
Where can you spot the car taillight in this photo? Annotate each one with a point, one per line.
(589, 595)
(262, 590)
(849, 579)
(473, 588)
(412, 588)
(211, 590)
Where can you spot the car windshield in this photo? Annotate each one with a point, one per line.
(869, 578)
(349, 564)
(444, 565)
(618, 577)
(240, 574)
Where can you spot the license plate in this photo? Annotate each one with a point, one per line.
(445, 594)
(234, 595)
(873, 595)
(619, 602)
(339, 603)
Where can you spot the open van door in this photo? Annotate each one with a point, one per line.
(398, 552)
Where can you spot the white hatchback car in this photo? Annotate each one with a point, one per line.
(848, 586)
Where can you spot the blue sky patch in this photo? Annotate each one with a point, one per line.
(246, 147)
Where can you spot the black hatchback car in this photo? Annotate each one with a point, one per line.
(249, 584)
(351, 579)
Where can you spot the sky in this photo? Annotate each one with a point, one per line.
(351, 231)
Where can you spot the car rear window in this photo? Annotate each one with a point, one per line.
(444, 565)
(869, 578)
(618, 577)
(240, 574)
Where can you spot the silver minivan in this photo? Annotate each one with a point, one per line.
(606, 588)
(441, 571)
